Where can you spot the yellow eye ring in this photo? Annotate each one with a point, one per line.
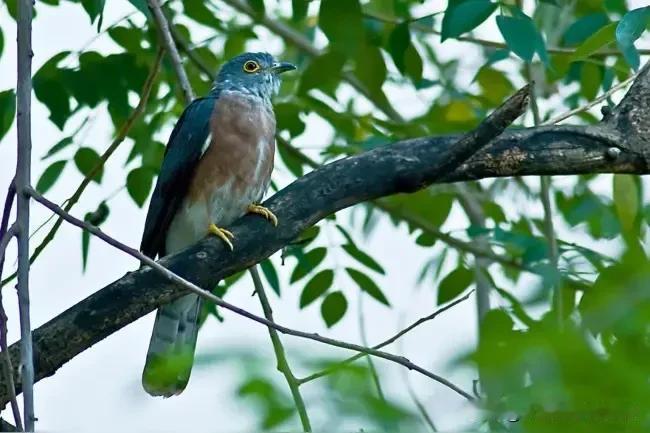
(251, 66)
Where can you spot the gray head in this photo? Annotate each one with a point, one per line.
(253, 73)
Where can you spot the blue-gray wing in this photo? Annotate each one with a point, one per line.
(182, 155)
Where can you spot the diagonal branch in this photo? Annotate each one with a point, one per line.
(385, 343)
(386, 170)
(402, 167)
(183, 284)
(168, 41)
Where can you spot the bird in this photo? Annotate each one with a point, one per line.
(216, 168)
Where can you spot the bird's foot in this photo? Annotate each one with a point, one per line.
(223, 234)
(266, 213)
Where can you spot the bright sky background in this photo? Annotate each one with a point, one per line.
(100, 389)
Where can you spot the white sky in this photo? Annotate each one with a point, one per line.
(100, 389)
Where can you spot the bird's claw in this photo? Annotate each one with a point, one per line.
(265, 212)
(223, 234)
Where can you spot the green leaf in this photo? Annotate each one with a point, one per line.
(316, 287)
(50, 176)
(333, 308)
(603, 37)
(271, 275)
(631, 27)
(2, 42)
(86, 160)
(94, 9)
(363, 258)
(7, 111)
(583, 28)
(591, 77)
(370, 68)
(138, 184)
(307, 263)
(323, 72)
(626, 200)
(454, 283)
(522, 37)
(398, 43)
(96, 218)
(141, 5)
(342, 23)
(299, 10)
(464, 17)
(495, 86)
(257, 6)
(367, 285)
(85, 246)
(59, 146)
(50, 89)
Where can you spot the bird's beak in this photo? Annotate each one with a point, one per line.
(281, 67)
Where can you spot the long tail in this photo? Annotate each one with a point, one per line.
(171, 349)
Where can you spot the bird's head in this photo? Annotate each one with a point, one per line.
(254, 73)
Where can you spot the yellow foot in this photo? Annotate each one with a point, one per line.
(223, 234)
(266, 213)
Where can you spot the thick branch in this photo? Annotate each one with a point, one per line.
(403, 167)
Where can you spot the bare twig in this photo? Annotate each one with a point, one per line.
(598, 100)
(168, 40)
(333, 368)
(220, 302)
(5, 238)
(278, 348)
(119, 139)
(4, 224)
(22, 181)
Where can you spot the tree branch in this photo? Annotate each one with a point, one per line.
(183, 285)
(22, 183)
(168, 41)
(334, 368)
(399, 167)
(280, 355)
(402, 167)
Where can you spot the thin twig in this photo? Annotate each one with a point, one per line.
(23, 180)
(364, 341)
(4, 224)
(119, 139)
(598, 100)
(282, 365)
(168, 40)
(220, 302)
(333, 368)
(5, 238)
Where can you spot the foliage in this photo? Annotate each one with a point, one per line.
(585, 367)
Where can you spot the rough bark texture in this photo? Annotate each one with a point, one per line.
(618, 144)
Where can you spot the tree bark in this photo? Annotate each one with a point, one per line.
(619, 144)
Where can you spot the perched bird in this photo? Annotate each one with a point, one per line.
(217, 167)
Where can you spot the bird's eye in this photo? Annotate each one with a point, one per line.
(251, 66)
